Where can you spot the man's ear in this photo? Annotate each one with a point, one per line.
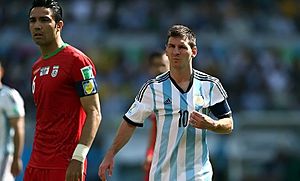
(59, 25)
(195, 51)
(1, 72)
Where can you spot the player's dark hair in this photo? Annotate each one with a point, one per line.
(154, 55)
(183, 32)
(52, 4)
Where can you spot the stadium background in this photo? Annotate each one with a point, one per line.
(252, 46)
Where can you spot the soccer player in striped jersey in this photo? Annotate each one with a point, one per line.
(12, 131)
(66, 97)
(180, 98)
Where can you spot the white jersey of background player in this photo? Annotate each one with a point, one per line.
(11, 131)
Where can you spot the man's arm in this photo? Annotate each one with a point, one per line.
(202, 121)
(91, 106)
(223, 126)
(18, 125)
(124, 133)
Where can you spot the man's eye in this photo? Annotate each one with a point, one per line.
(45, 19)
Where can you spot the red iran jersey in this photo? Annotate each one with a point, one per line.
(60, 116)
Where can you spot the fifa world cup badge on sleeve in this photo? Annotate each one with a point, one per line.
(87, 72)
(133, 108)
(89, 87)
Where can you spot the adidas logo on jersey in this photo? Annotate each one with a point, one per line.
(168, 101)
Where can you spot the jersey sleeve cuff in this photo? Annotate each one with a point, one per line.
(131, 122)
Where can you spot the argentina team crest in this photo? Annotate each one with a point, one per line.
(54, 71)
(199, 102)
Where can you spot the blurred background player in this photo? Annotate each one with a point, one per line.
(158, 63)
(12, 131)
(66, 97)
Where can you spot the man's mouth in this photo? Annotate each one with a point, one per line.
(37, 34)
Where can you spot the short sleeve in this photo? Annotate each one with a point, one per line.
(217, 93)
(141, 108)
(14, 106)
(84, 73)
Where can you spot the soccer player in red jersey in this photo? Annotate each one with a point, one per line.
(65, 94)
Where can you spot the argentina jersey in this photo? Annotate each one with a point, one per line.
(181, 152)
(11, 106)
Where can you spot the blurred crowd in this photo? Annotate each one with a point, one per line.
(253, 47)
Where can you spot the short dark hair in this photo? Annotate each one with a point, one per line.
(183, 32)
(52, 4)
(153, 55)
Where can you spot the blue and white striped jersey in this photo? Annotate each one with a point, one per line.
(11, 106)
(181, 151)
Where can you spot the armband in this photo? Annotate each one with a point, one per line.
(80, 152)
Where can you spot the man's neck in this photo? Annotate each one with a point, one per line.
(181, 75)
(182, 78)
(47, 50)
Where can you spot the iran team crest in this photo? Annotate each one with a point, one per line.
(54, 71)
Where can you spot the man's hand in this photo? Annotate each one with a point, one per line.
(74, 171)
(147, 162)
(202, 121)
(107, 164)
(16, 167)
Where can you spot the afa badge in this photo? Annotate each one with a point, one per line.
(87, 72)
(199, 102)
(89, 87)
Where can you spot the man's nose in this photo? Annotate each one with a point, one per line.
(176, 50)
(37, 25)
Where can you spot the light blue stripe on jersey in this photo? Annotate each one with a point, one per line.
(190, 146)
(166, 129)
(204, 131)
(173, 159)
(211, 92)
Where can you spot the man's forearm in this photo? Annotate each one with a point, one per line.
(223, 126)
(90, 128)
(124, 133)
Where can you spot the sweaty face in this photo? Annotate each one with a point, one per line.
(43, 28)
(179, 52)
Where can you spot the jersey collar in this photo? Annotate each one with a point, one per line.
(179, 88)
(55, 51)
